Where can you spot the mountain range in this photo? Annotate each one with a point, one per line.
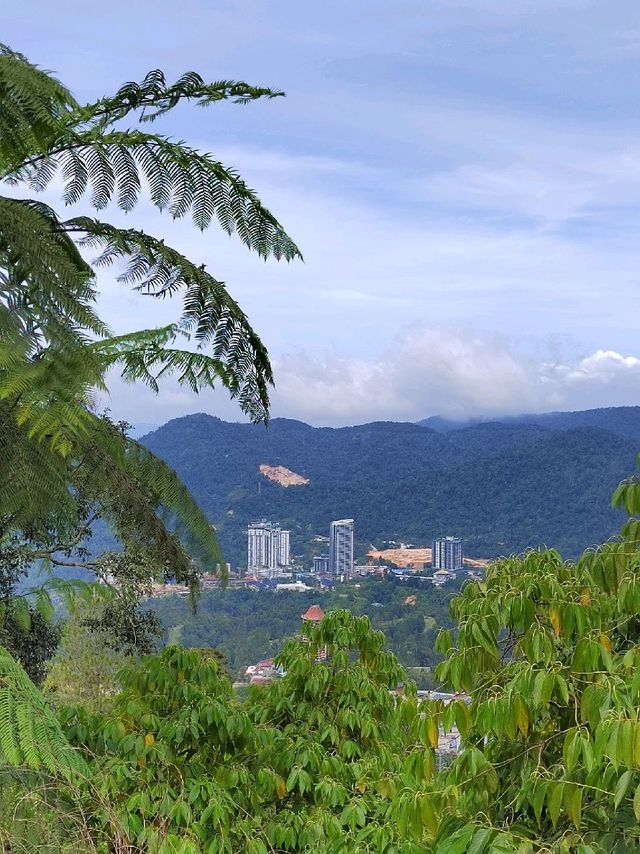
(503, 486)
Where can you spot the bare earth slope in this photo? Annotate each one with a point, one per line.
(416, 558)
(283, 476)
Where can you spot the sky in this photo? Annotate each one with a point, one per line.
(462, 176)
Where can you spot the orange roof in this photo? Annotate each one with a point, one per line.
(314, 614)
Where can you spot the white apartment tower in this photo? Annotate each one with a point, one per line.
(267, 547)
(341, 548)
(447, 554)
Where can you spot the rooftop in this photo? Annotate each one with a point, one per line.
(314, 614)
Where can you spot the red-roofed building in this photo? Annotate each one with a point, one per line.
(314, 615)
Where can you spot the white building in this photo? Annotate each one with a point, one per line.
(447, 554)
(341, 548)
(267, 548)
(280, 542)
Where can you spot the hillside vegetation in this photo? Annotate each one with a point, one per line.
(503, 487)
(248, 626)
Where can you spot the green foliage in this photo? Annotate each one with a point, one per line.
(549, 652)
(248, 626)
(311, 762)
(30, 637)
(30, 734)
(62, 465)
(114, 608)
(84, 669)
(329, 758)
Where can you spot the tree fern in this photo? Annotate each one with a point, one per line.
(60, 463)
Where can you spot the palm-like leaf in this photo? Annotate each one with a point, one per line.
(237, 355)
(112, 165)
(30, 734)
(153, 97)
(32, 107)
(57, 456)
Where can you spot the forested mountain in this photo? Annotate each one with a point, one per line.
(503, 487)
(622, 420)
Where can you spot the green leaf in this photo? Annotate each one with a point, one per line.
(554, 801)
(621, 788)
(521, 714)
(539, 798)
(480, 840)
(429, 818)
(458, 842)
(636, 804)
(573, 803)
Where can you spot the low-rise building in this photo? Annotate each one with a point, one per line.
(321, 564)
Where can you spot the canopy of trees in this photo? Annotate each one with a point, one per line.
(330, 758)
(248, 626)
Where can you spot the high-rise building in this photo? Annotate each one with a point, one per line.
(341, 548)
(282, 547)
(321, 564)
(267, 547)
(259, 545)
(447, 554)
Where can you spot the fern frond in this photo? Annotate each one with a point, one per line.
(210, 315)
(112, 164)
(51, 286)
(35, 490)
(48, 393)
(154, 97)
(33, 108)
(30, 735)
(148, 505)
(146, 357)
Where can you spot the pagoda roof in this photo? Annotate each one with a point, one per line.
(314, 614)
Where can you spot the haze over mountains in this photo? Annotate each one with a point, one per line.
(622, 420)
(503, 486)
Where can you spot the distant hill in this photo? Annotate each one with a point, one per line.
(622, 420)
(502, 486)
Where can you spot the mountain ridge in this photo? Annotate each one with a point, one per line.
(623, 420)
(501, 486)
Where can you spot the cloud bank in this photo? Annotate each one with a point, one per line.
(453, 372)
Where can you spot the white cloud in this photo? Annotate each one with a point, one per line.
(453, 372)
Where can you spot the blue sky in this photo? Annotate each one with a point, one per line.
(463, 177)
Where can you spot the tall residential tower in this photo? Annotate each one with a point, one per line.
(447, 554)
(267, 547)
(341, 548)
